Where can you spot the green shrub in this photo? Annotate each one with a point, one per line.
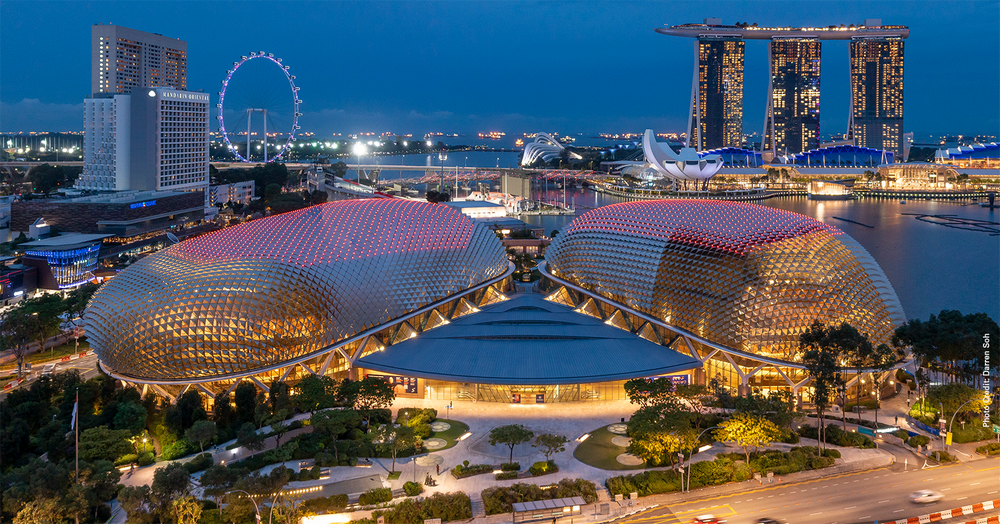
(901, 433)
(993, 448)
(126, 459)
(788, 436)
(543, 468)
(821, 462)
(506, 475)
(945, 456)
(178, 449)
(413, 489)
(145, 459)
(645, 483)
(499, 499)
(444, 506)
(918, 440)
(838, 437)
(510, 466)
(331, 504)
(375, 496)
(199, 463)
(464, 470)
(831, 453)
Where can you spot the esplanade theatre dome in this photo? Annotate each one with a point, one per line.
(251, 297)
(739, 275)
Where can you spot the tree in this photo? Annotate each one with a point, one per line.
(822, 368)
(392, 439)
(201, 432)
(510, 436)
(41, 510)
(698, 399)
(279, 428)
(223, 411)
(953, 396)
(280, 398)
(217, 480)
(749, 431)
(248, 437)
(169, 483)
(334, 423)
(369, 394)
(659, 432)
(15, 332)
(188, 410)
(946, 337)
(130, 416)
(316, 392)
(101, 443)
(777, 406)
(645, 392)
(46, 312)
(550, 444)
(137, 503)
(187, 510)
(246, 402)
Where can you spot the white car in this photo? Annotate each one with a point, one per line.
(925, 496)
(48, 369)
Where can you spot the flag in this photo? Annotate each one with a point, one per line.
(76, 408)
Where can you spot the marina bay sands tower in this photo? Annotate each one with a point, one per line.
(792, 108)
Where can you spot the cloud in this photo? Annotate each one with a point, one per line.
(31, 114)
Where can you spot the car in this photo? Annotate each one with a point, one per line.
(926, 496)
(48, 369)
(766, 520)
(707, 519)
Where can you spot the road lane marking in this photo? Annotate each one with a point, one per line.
(850, 507)
(897, 511)
(975, 483)
(820, 513)
(881, 501)
(865, 517)
(962, 498)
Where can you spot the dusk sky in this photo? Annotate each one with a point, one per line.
(450, 66)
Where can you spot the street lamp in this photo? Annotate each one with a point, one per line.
(952, 423)
(360, 150)
(696, 440)
(442, 156)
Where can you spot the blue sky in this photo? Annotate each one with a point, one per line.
(451, 66)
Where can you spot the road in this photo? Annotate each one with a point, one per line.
(878, 495)
(87, 366)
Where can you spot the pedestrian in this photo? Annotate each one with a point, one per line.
(438, 467)
(897, 420)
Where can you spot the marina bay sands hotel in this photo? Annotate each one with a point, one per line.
(792, 117)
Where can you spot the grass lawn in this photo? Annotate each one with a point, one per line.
(599, 452)
(393, 475)
(57, 352)
(451, 435)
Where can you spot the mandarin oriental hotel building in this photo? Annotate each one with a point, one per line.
(420, 295)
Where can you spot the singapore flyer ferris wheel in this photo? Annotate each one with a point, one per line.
(259, 108)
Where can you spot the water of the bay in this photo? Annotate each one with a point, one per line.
(931, 266)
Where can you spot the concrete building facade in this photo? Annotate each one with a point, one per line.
(123, 59)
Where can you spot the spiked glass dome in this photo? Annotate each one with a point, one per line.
(278, 288)
(745, 276)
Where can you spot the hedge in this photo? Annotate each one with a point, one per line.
(655, 481)
(543, 468)
(413, 489)
(145, 459)
(838, 437)
(993, 448)
(331, 504)
(375, 496)
(126, 459)
(178, 449)
(788, 436)
(199, 463)
(510, 466)
(506, 475)
(444, 506)
(500, 499)
(460, 471)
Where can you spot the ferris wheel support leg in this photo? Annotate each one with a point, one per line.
(249, 114)
(265, 136)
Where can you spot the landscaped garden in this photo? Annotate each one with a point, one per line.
(499, 499)
(600, 452)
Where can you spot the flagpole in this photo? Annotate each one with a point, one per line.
(76, 422)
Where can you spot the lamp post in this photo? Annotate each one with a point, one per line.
(359, 150)
(696, 440)
(255, 506)
(448, 407)
(442, 156)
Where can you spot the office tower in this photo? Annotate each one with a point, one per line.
(125, 58)
(151, 139)
(877, 93)
(792, 116)
(106, 129)
(716, 118)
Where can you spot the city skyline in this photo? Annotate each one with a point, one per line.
(446, 79)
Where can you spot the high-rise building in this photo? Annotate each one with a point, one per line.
(106, 127)
(716, 118)
(877, 93)
(125, 58)
(792, 116)
(151, 139)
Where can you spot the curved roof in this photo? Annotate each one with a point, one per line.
(686, 165)
(748, 277)
(261, 293)
(527, 340)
